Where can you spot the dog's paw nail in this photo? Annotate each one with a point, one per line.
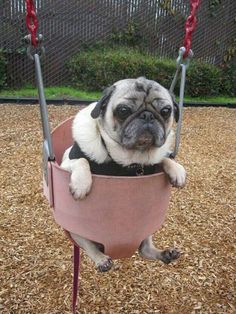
(71, 191)
(79, 193)
(173, 183)
(170, 255)
(177, 184)
(105, 265)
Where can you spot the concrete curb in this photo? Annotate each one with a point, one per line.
(81, 102)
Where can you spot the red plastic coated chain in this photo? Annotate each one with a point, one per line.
(32, 21)
(190, 25)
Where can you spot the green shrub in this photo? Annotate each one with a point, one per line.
(228, 80)
(2, 70)
(95, 69)
(203, 79)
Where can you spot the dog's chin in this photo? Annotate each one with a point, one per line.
(144, 142)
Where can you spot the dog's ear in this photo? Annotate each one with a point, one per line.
(176, 107)
(101, 104)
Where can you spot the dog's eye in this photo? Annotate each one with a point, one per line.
(166, 112)
(123, 112)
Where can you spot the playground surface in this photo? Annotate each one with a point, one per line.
(36, 257)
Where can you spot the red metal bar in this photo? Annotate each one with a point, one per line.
(76, 276)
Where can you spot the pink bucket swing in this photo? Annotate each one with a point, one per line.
(100, 217)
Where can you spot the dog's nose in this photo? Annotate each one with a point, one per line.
(147, 116)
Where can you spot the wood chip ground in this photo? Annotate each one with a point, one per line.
(36, 258)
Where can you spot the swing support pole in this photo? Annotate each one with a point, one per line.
(48, 154)
(43, 109)
(182, 65)
(35, 50)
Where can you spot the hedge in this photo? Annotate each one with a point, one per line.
(2, 70)
(228, 80)
(96, 69)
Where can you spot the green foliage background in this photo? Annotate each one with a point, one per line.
(2, 70)
(97, 68)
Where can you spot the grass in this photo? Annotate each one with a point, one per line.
(206, 99)
(73, 93)
(51, 93)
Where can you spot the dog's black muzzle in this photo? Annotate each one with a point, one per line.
(144, 130)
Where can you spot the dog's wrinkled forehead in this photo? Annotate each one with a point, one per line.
(141, 90)
(138, 94)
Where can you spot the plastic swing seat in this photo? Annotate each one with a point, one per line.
(119, 212)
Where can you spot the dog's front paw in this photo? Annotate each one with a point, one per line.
(80, 186)
(176, 174)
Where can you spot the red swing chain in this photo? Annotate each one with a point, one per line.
(190, 25)
(32, 21)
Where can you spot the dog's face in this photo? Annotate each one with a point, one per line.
(136, 113)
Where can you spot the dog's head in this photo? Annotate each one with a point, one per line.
(137, 113)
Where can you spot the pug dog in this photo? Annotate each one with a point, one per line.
(127, 132)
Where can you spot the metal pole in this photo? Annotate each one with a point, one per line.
(181, 103)
(43, 109)
(182, 64)
(174, 81)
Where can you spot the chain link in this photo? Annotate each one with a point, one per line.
(190, 25)
(32, 21)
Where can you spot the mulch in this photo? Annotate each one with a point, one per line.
(36, 258)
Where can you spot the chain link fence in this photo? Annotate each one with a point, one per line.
(68, 25)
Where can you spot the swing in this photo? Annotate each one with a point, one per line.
(100, 216)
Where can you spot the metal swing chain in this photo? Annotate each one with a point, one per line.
(32, 24)
(36, 43)
(183, 61)
(190, 26)
(32, 21)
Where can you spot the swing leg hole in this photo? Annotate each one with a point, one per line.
(100, 246)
